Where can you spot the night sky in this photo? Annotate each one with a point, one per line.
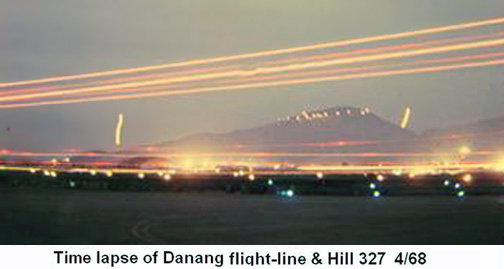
(59, 37)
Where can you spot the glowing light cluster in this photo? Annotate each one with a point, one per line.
(318, 115)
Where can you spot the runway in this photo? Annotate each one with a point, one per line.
(63, 216)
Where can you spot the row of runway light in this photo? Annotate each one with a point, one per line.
(457, 186)
(167, 176)
(394, 54)
(109, 172)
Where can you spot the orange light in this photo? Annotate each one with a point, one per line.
(467, 178)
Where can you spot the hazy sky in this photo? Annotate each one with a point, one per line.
(55, 37)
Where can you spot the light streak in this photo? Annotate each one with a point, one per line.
(143, 77)
(384, 48)
(268, 70)
(251, 154)
(307, 74)
(268, 84)
(119, 129)
(314, 73)
(406, 118)
(137, 77)
(263, 53)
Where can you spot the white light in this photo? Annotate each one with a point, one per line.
(46, 173)
(53, 174)
(167, 177)
(380, 177)
(109, 173)
(270, 182)
(372, 186)
(160, 174)
(235, 174)
(33, 171)
(320, 175)
(92, 172)
(72, 184)
(251, 177)
(457, 186)
(241, 173)
(141, 175)
(289, 193)
(446, 183)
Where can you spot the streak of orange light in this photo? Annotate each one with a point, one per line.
(309, 73)
(267, 70)
(264, 53)
(143, 77)
(269, 84)
(383, 48)
(116, 80)
(252, 154)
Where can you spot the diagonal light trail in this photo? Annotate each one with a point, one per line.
(269, 84)
(194, 71)
(290, 75)
(262, 53)
(267, 70)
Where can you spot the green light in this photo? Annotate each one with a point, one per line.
(270, 182)
(461, 193)
(376, 194)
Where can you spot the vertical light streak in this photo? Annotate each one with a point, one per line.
(118, 135)
(406, 118)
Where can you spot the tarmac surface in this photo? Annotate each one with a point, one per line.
(63, 216)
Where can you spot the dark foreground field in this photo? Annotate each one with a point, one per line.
(65, 216)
